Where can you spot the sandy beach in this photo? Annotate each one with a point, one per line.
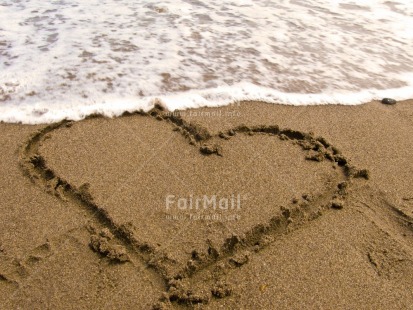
(247, 206)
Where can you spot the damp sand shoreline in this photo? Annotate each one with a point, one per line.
(325, 218)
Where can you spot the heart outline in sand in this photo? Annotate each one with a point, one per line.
(317, 149)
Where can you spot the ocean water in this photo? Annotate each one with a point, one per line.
(70, 58)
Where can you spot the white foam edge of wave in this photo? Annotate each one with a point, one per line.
(113, 106)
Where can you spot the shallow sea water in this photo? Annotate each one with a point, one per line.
(68, 58)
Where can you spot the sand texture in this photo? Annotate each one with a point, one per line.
(307, 207)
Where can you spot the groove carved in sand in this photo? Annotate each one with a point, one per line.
(235, 249)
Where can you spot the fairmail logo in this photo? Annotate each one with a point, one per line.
(203, 202)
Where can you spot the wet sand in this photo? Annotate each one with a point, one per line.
(241, 207)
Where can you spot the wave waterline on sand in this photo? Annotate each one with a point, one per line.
(68, 59)
(38, 113)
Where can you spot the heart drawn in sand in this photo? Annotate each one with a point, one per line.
(190, 199)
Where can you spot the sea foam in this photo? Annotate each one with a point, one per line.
(68, 58)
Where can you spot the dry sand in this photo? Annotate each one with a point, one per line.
(314, 210)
